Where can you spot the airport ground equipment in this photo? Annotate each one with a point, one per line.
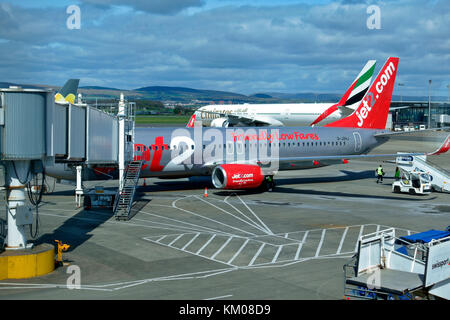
(62, 247)
(413, 182)
(99, 198)
(125, 195)
(439, 177)
(410, 267)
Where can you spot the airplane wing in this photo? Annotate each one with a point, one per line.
(415, 132)
(246, 121)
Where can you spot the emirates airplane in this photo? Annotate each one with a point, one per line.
(249, 157)
(292, 114)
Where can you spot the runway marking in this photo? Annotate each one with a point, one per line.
(235, 208)
(320, 243)
(190, 241)
(209, 219)
(257, 254)
(174, 240)
(239, 251)
(204, 246)
(300, 245)
(266, 227)
(275, 257)
(360, 234)
(229, 213)
(221, 297)
(221, 248)
(343, 238)
(262, 246)
(251, 211)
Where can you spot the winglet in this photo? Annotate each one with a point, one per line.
(443, 149)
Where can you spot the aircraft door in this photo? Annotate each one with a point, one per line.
(358, 141)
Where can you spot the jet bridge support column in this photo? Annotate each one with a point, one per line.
(79, 189)
(121, 115)
(18, 176)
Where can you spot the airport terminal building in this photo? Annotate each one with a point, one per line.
(416, 113)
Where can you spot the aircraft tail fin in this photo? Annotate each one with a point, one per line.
(354, 94)
(373, 110)
(191, 121)
(68, 92)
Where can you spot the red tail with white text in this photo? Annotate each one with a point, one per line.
(373, 111)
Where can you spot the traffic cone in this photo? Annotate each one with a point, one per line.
(206, 193)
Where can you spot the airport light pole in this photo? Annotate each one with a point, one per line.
(448, 97)
(429, 104)
(400, 91)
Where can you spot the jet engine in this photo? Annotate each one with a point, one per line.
(237, 176)
(219, 123)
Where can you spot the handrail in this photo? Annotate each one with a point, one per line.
(434, 165)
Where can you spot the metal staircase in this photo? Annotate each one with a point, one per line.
(125, 195)
(440, 178)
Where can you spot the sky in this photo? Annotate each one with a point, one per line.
(241, 46)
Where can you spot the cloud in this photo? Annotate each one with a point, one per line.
(151, 6)
(247, 49)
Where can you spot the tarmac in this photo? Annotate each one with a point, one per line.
(289, 244)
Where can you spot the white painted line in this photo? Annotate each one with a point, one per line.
(252, 225)
(320, 243)
(301, 245)
(245, 216)
(174, 240)
(207, 242)
(221, 297)
(342, 241)
(190, 241)
(256, 255)
(209, 219)
(180, 221)
(286, 235)
(159, 239)
(359, 237)
(275, 257)
(181, 228)
(248, 208)
(239, 251)
(222, 247)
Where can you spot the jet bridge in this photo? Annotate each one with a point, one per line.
(37, 133)
(400, 268)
